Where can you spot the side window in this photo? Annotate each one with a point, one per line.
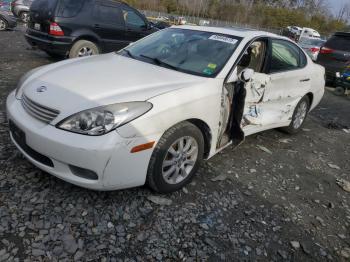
(67, 8)
(109, 15)
(254, 57)
(303, 59)
(258, 51)
(286, 56)
(132, 19)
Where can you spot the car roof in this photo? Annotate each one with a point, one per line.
(342, 34)
(240, 32)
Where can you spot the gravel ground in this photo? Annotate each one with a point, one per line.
(274, 198)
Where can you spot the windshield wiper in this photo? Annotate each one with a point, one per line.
(160, 62)
(129, 53)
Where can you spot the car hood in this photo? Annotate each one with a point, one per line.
(79, 84)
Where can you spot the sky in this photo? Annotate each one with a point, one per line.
(336, 4)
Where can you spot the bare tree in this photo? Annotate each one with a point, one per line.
(344, 12)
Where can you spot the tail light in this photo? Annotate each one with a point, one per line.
(56, 30)
(326, 50)
(314, 49)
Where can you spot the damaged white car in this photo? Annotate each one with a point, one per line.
(152, 112)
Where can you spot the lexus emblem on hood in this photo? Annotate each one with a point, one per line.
(41, 89)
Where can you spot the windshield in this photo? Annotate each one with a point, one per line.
(189, 51)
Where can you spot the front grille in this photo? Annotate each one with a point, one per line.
(38, 111)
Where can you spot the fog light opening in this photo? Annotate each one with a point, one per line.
(83, 173)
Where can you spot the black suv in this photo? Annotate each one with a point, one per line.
(78, 28)
(335, 55)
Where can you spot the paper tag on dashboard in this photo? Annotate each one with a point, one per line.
(224, 39)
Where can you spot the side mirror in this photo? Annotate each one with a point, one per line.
(246, 75)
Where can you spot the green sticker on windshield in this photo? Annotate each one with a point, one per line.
(212, 66)
(208, 71)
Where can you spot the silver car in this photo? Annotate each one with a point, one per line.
(312, 46)
(20, 8)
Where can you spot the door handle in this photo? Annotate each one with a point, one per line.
(305, 80)
(97, 26)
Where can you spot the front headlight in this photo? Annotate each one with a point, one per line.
(101, 120)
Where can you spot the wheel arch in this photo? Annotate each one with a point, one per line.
(310, 96)
(90, 38)
(206, 132)
(19, 12)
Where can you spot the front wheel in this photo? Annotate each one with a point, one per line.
(300, 113)
(176, 158)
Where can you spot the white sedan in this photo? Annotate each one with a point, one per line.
(152, 112)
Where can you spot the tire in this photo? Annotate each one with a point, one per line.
(24, 16)
(3, 24)
(159, 176)
(339, 91)
(298, 120)
(83, 48)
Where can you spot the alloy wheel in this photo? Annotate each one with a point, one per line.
(300, 115)
(25, 17)
(179, 160)
(85, 51)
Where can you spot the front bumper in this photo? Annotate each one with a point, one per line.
(108, 156)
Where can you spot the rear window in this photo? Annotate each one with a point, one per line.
(286, 56)
(43, 6)
(338, 42)
(309, 41)
(69, 8)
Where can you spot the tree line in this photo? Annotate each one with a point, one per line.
(316, 14)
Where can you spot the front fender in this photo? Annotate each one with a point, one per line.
(201, 102)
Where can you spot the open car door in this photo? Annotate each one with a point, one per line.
(242, 101)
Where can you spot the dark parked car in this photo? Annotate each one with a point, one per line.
(334, 55)
(7, 21)
(20, 8)
(84, 27)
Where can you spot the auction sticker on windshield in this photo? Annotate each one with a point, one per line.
(224, 39)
